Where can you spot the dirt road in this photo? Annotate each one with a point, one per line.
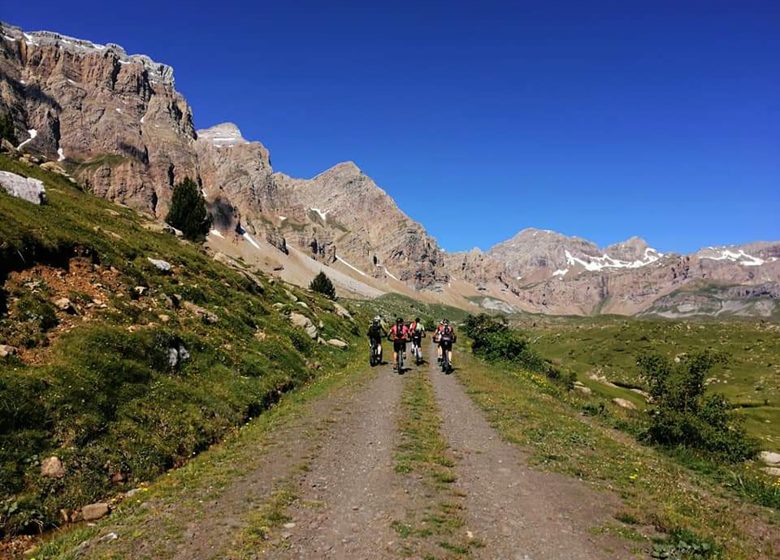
(336, 462)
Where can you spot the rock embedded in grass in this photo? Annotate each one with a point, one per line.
(305, 323)
(623, 403)
(771, 458)
(95, 511)
(161, 265)
(52, 467)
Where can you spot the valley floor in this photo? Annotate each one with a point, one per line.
(371, 464)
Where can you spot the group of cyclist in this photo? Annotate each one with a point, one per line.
(401, 333)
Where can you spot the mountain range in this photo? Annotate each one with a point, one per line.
(116, 124)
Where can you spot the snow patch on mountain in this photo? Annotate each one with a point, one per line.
(252, 241)
(739, 257)
(356, 269)
(595, 264)
(33, 133)
(320, 213)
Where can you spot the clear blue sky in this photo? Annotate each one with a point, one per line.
(603, 119)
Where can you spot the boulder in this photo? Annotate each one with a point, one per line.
(64, 304)
(6, 146)
(177, 355)
(52, 467)
(6, 350)
(771, 458)
(623, 403)
(583, 390)
(338, 343)
(305, 323)
(95, 511)
(163, 266)
(26, 188)
(342, 312)
(205, 314)
(54, 167)
(772, 471)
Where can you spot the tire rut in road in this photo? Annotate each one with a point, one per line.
(350, 495)
(515, 511)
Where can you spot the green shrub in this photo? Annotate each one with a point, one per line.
(188, 211)
(322, 284)
(682, 415)
(493, 340)
(685, 545)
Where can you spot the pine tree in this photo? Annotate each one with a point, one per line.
(7, 129)
(323, 285)
(188, 211)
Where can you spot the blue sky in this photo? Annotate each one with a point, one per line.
(602, 119)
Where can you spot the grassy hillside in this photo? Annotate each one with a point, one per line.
(140, 369)
(608, 348)
(671, 509)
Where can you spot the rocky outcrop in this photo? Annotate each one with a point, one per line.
(114, 120)
(26, 188)
(349, 217)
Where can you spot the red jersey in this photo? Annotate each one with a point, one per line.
(399, 334)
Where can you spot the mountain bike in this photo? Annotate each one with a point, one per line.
(417, 352)
(376, 354)
(399, 365)
(446, 366)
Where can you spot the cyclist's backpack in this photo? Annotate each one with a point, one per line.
(375, 331)
(446, 334)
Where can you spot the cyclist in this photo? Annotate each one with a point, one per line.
(375, 334)
(446, 340)
(417, 333)
(399, 334)
(436, 337)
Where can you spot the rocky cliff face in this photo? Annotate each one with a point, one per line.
(354, 220)
(115, 120)
(117, 124)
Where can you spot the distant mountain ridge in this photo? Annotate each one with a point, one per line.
(116, 123)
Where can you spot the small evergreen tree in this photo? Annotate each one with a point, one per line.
(7, 129)
(188, 211)
(323, 285)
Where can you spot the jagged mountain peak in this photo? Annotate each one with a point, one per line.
(224, 134)
(343, 170)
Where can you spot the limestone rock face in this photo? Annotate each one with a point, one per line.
(351, 218)
(114, 120)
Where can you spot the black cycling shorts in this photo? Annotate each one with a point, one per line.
(399, 346)
(446, 345)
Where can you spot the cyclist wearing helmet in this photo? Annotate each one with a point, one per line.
(417, 333)
(446, 340)
(436, 338)
(399, 334)
(375, 334)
